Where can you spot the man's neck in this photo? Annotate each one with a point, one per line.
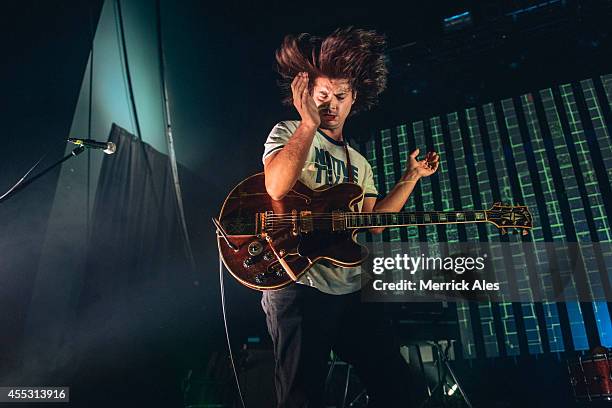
(335, 134)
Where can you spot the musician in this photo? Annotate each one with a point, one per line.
(327, 80)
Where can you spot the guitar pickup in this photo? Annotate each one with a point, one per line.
(306, 224)
(338, 221)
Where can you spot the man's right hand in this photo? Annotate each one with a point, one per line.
(303, 101)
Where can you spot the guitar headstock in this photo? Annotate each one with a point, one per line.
(505, 216)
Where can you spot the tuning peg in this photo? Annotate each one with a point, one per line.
(503, 231)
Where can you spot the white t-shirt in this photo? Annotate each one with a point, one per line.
(326, 165)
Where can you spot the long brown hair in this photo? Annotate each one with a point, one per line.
(348, 53)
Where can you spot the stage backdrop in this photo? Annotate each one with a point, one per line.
(549, 149)
(130, 301)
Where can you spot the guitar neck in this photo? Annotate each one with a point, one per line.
(404, 219)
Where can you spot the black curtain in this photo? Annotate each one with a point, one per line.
(136, 273)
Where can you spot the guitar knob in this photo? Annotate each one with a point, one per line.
(276, 269)
(248, 262)
(255, 248)
(260, 278)
(268, 256)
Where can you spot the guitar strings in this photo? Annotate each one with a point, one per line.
(348, 215)
(357, 215)
(366, 213)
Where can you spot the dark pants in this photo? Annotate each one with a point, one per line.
(305, 324)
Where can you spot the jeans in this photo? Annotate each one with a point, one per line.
(305, 324)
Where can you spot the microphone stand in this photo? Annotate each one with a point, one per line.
(21, 184)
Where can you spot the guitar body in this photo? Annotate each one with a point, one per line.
(272, 236)
(267, 244)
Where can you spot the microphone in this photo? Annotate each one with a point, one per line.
(107, 147)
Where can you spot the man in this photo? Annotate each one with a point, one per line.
(326, 80)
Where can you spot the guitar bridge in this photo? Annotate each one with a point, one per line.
(264, 222)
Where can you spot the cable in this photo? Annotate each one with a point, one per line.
(89, 126)
(127, 69)
(126, 87)
(170, 141)
(24, 181)
(18, 183)
(229, 344)
(123, 50)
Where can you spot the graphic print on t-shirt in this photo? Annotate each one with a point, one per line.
(326, 164)
(331, 170)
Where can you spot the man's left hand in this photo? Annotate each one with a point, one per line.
(421, 168)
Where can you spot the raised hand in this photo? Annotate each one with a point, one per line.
(421, 168)
(303, 101)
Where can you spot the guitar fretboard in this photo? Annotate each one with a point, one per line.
(379, 219)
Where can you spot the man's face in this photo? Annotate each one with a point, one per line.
(334, 98)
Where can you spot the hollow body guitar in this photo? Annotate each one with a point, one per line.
(267, 244)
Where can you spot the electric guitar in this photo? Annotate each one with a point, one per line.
(268, 244)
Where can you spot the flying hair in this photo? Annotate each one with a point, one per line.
(348, 53)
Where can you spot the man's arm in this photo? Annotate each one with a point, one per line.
(283, 168)
(394, 201)
(398, 196)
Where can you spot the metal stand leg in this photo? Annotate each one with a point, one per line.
(346, 384)
(452, 373)
(358, 397)
(444, 369)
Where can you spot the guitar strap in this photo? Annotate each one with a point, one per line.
(349, 169)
